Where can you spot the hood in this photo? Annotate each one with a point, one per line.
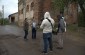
(47, 15)
(63, 18)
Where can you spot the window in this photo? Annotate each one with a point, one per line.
(27, 8)
(22, 11)
(32, 5)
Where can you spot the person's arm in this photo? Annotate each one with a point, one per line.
(24, 24)
(58, 28)
(42, 24)
(53, 23)
(65, 26)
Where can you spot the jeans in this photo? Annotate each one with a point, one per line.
(33, 33)
(26, 33)
(47, 38)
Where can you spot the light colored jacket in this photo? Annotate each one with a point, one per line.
(46, 25)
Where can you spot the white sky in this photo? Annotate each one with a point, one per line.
(10, 6)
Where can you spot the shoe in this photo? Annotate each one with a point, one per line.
(44, 52)
(33, 38)
(59, 47)
(51, 51)
(25, 39)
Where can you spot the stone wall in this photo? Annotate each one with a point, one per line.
(38, 10)
(71, 13)
(41, 6)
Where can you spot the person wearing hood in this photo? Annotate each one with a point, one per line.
(47, 31)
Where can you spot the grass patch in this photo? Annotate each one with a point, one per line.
(73, 27)
(4, 21)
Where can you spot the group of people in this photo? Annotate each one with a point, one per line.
(47, 26)
(26, 27)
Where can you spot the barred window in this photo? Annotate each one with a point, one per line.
(22, 11)
(32, 5)
(27, 8)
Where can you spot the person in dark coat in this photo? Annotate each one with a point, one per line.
(26, 27)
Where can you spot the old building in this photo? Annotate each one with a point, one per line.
(13, 18)
(32, 8)
(37, 8)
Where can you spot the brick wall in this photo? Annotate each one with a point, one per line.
(41, 6)
(47, 5)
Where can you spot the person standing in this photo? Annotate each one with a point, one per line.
(26, 27)
(33, 29)
(61, 30)
(47, 31)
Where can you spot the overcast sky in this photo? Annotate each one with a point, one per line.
(10, 6)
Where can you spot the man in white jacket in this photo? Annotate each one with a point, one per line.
(47, 31)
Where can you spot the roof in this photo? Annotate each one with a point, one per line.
(12, 14)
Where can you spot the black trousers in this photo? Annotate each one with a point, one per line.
(33, 33)
(26, 33)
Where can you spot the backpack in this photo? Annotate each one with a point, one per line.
(62, 25)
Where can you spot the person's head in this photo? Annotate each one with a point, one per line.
(47, 15)
(61, 13)
(25, 19)
(33, 20)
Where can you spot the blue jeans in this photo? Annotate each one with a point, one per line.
(47, 38)
(33, 33)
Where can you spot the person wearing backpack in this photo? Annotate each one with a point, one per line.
(46, 25)
(61, 30)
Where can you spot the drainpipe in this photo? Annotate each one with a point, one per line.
(24, 9)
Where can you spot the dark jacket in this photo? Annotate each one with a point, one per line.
(61, 25)
(26, 25)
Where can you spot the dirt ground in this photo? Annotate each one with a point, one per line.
(12, 43)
